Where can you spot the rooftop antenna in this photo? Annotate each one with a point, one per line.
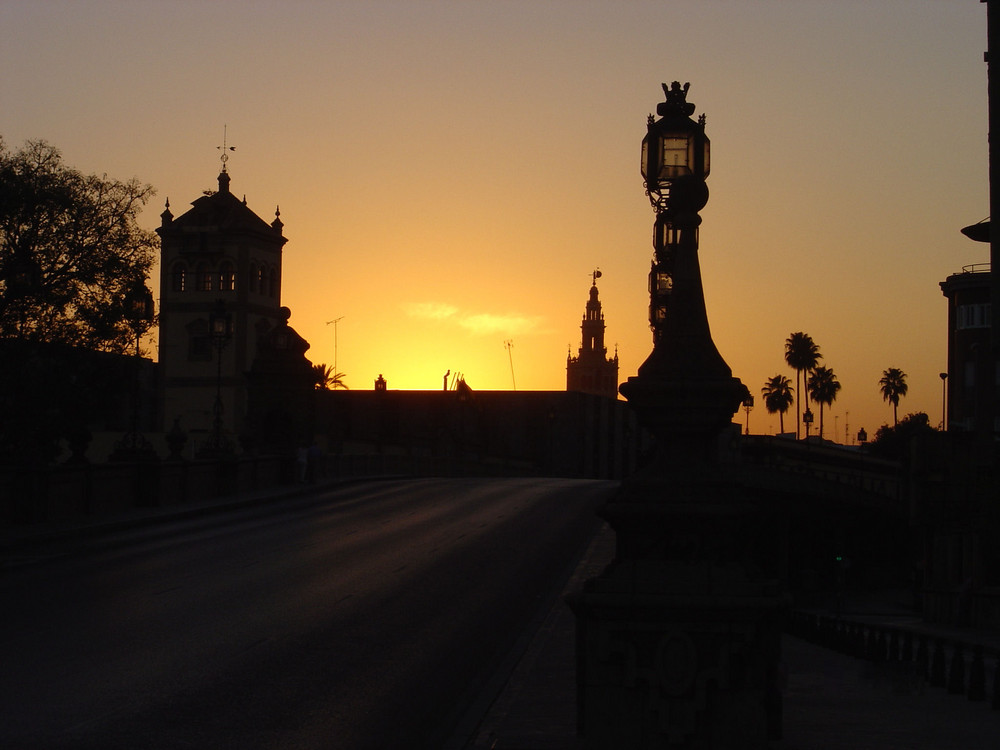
(224, 148)
(510, 345)
(334, 323)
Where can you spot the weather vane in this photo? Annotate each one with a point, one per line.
(596, 275)
(224, 148)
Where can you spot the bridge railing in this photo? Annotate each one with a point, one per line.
(963, 664)
(842, 469)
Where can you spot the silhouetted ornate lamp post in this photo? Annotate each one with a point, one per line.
(944, 401)
(220, 331)
(807, 420)
(678, 638)
(140, 314)
(684, 393)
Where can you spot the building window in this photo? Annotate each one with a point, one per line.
(273, 283)
(227, 278)
(969, 381)
(205, 278)
(179, 277)
(974, 316)
(199, 342)
(253, 277)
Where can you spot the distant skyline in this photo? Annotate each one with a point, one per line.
(450, 173)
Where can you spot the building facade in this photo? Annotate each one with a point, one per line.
(592, 371)
(973, 367)
(220, 294)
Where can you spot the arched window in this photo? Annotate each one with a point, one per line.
(227, 277)
(205, 277)
(179, 277)
(273, 283)
(253, 277)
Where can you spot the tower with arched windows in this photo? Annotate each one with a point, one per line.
(592, 371)
(219, 261)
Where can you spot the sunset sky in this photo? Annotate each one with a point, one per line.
(450, 173)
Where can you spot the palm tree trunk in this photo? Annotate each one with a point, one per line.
(798, 403)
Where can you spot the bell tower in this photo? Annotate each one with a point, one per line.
(220, 293)
(592, 371)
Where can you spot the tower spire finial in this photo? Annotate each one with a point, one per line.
(224, 148)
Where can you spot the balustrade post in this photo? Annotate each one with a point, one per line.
(923, 658)
(880, 647)
(977, 676)
(894, 645)
(859, 641)
(996, 685)
(907, 655)
(956, 675)
(937, 664)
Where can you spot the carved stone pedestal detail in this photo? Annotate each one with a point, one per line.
(678, 640)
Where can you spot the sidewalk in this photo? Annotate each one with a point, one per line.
(832, 701)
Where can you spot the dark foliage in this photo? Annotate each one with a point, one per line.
(71, 252)
(894, 442)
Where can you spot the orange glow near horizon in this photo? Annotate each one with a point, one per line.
(449, 175)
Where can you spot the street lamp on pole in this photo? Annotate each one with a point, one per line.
(686, 599)
(139, 312)
(220, 332)
(944, 401)
(747, 406)
(684, 392)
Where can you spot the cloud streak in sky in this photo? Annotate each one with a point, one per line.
(476, 323)
(430, 310)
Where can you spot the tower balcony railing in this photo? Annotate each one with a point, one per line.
(976, 268)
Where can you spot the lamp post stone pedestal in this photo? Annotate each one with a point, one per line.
(678, 639)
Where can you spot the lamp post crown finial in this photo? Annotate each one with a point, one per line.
(676, 102)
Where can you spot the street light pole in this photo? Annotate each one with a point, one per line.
(220, 331)
(334, 323)
(685, 603)
(944, 401)
(139, 313)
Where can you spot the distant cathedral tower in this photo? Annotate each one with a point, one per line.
(218, 259)
(592, 371)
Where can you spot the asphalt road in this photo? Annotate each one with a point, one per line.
(367, 617)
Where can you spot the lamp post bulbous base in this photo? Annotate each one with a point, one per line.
(686, 416)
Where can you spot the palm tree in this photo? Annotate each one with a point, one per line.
(893, 387)
(326, 379)
(777, 393)
(801, 354)
(823, 388)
